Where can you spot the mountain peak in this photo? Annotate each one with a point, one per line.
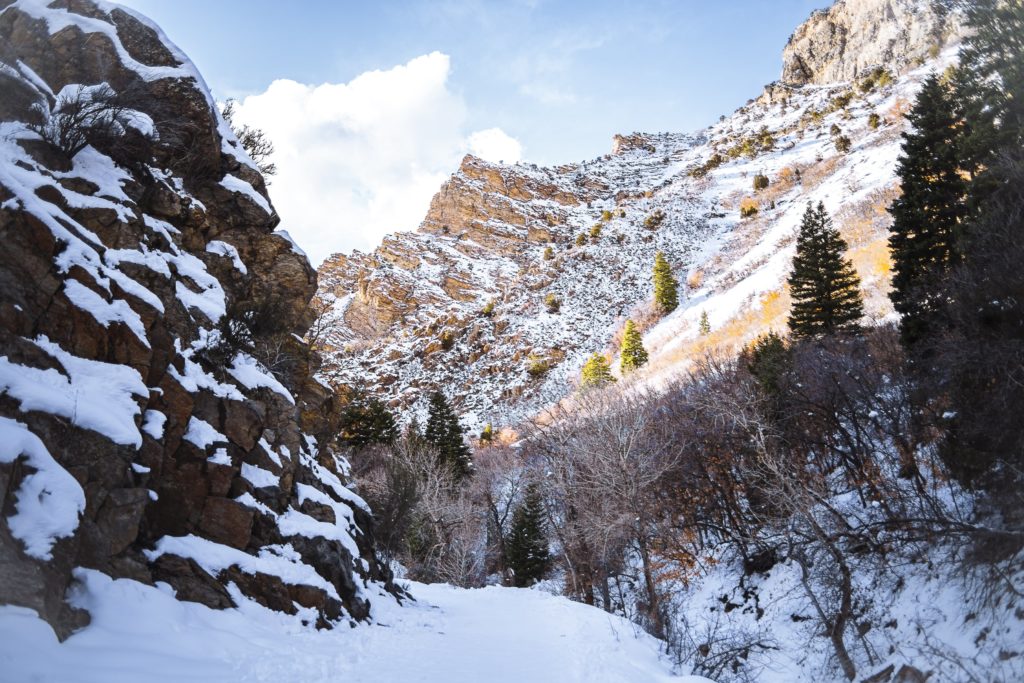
(851, 37)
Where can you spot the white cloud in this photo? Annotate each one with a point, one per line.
(494, 144)
(358, 160)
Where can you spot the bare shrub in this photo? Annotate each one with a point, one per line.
(718, 651)
(602, 461)
(440, 529)
(97, 116)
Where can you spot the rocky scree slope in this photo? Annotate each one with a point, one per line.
(460, 304)
(140, 434)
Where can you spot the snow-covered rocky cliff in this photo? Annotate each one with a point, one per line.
(156, 422)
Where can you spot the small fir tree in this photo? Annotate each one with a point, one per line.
(633, 353)
(487, 433)
(527, 553)
(445, 433)
(666, 296)
(927, 216)
(824, 286)
(767, 359)
(597, 372)
(366, 420)
(704, 325)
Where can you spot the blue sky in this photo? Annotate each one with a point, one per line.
(557, 79)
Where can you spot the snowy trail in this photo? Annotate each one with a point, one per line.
(501, 634)
(494, 635)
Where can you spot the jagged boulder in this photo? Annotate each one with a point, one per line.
(144, 433)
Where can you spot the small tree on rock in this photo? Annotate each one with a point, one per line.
(666, 287)
(633, 353)
(824, 286)
(527, 546)
(255, 142)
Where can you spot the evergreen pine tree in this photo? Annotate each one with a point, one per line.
(597, 372)
(824, 286)
(705, 325)
(927, 216)
(633, 353)
(976, 364)
(666, 296)
(527, 546)
(445, 433)
(366, 420)
(487, 434)
(992, 63)
(767, 359)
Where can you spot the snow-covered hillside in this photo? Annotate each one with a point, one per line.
(463, 304)
(141, 633)
(739, 277)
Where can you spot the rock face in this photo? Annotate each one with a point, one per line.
(854, 36)
(158, 416)
(461, 303)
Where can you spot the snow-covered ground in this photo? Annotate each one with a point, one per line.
(141, 633)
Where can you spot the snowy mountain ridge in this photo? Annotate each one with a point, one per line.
(518, 273)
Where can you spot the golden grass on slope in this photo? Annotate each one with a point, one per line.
(864, 225)
(813, 175)
(768, 313)
(780, 185)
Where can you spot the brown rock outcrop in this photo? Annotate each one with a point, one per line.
(853, 36)
(127, 268)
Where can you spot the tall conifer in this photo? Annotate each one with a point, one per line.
(445, 433)
(666, 296)
(824, 286)
(926, 218)
(527, 546)
(633, 353)
(366, 420)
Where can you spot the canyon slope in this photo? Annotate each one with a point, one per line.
(517, 273)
